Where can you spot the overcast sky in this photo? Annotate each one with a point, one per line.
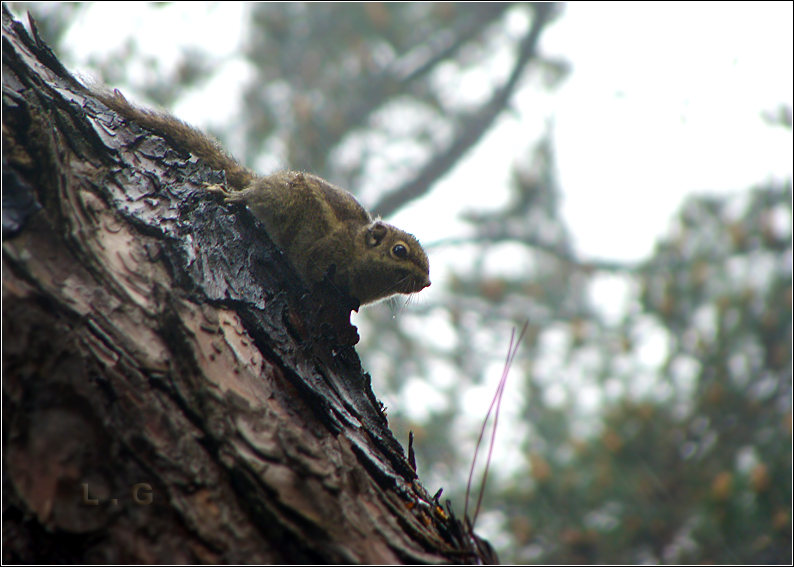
(663, 100)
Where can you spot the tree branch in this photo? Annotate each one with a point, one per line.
(473, 127)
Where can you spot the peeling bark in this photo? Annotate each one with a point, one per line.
(157, 345)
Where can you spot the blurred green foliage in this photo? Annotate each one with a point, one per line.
(686, 459)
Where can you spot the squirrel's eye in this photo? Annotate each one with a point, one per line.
(400, 251)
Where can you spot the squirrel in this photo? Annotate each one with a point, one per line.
(323, 230)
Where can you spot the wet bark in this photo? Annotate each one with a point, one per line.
(171, 392)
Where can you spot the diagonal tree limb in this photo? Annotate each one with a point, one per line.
(398, 79)
(474, 126)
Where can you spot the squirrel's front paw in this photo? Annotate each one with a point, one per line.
(228, 195)
(217, 189)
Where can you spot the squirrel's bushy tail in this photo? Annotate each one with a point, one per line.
(181, 135)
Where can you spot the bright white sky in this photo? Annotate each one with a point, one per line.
(664, 100)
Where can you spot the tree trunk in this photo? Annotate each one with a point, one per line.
(171, 392)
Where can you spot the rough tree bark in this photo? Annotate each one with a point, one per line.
(171, 393)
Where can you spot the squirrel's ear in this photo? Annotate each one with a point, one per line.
(376, 232)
